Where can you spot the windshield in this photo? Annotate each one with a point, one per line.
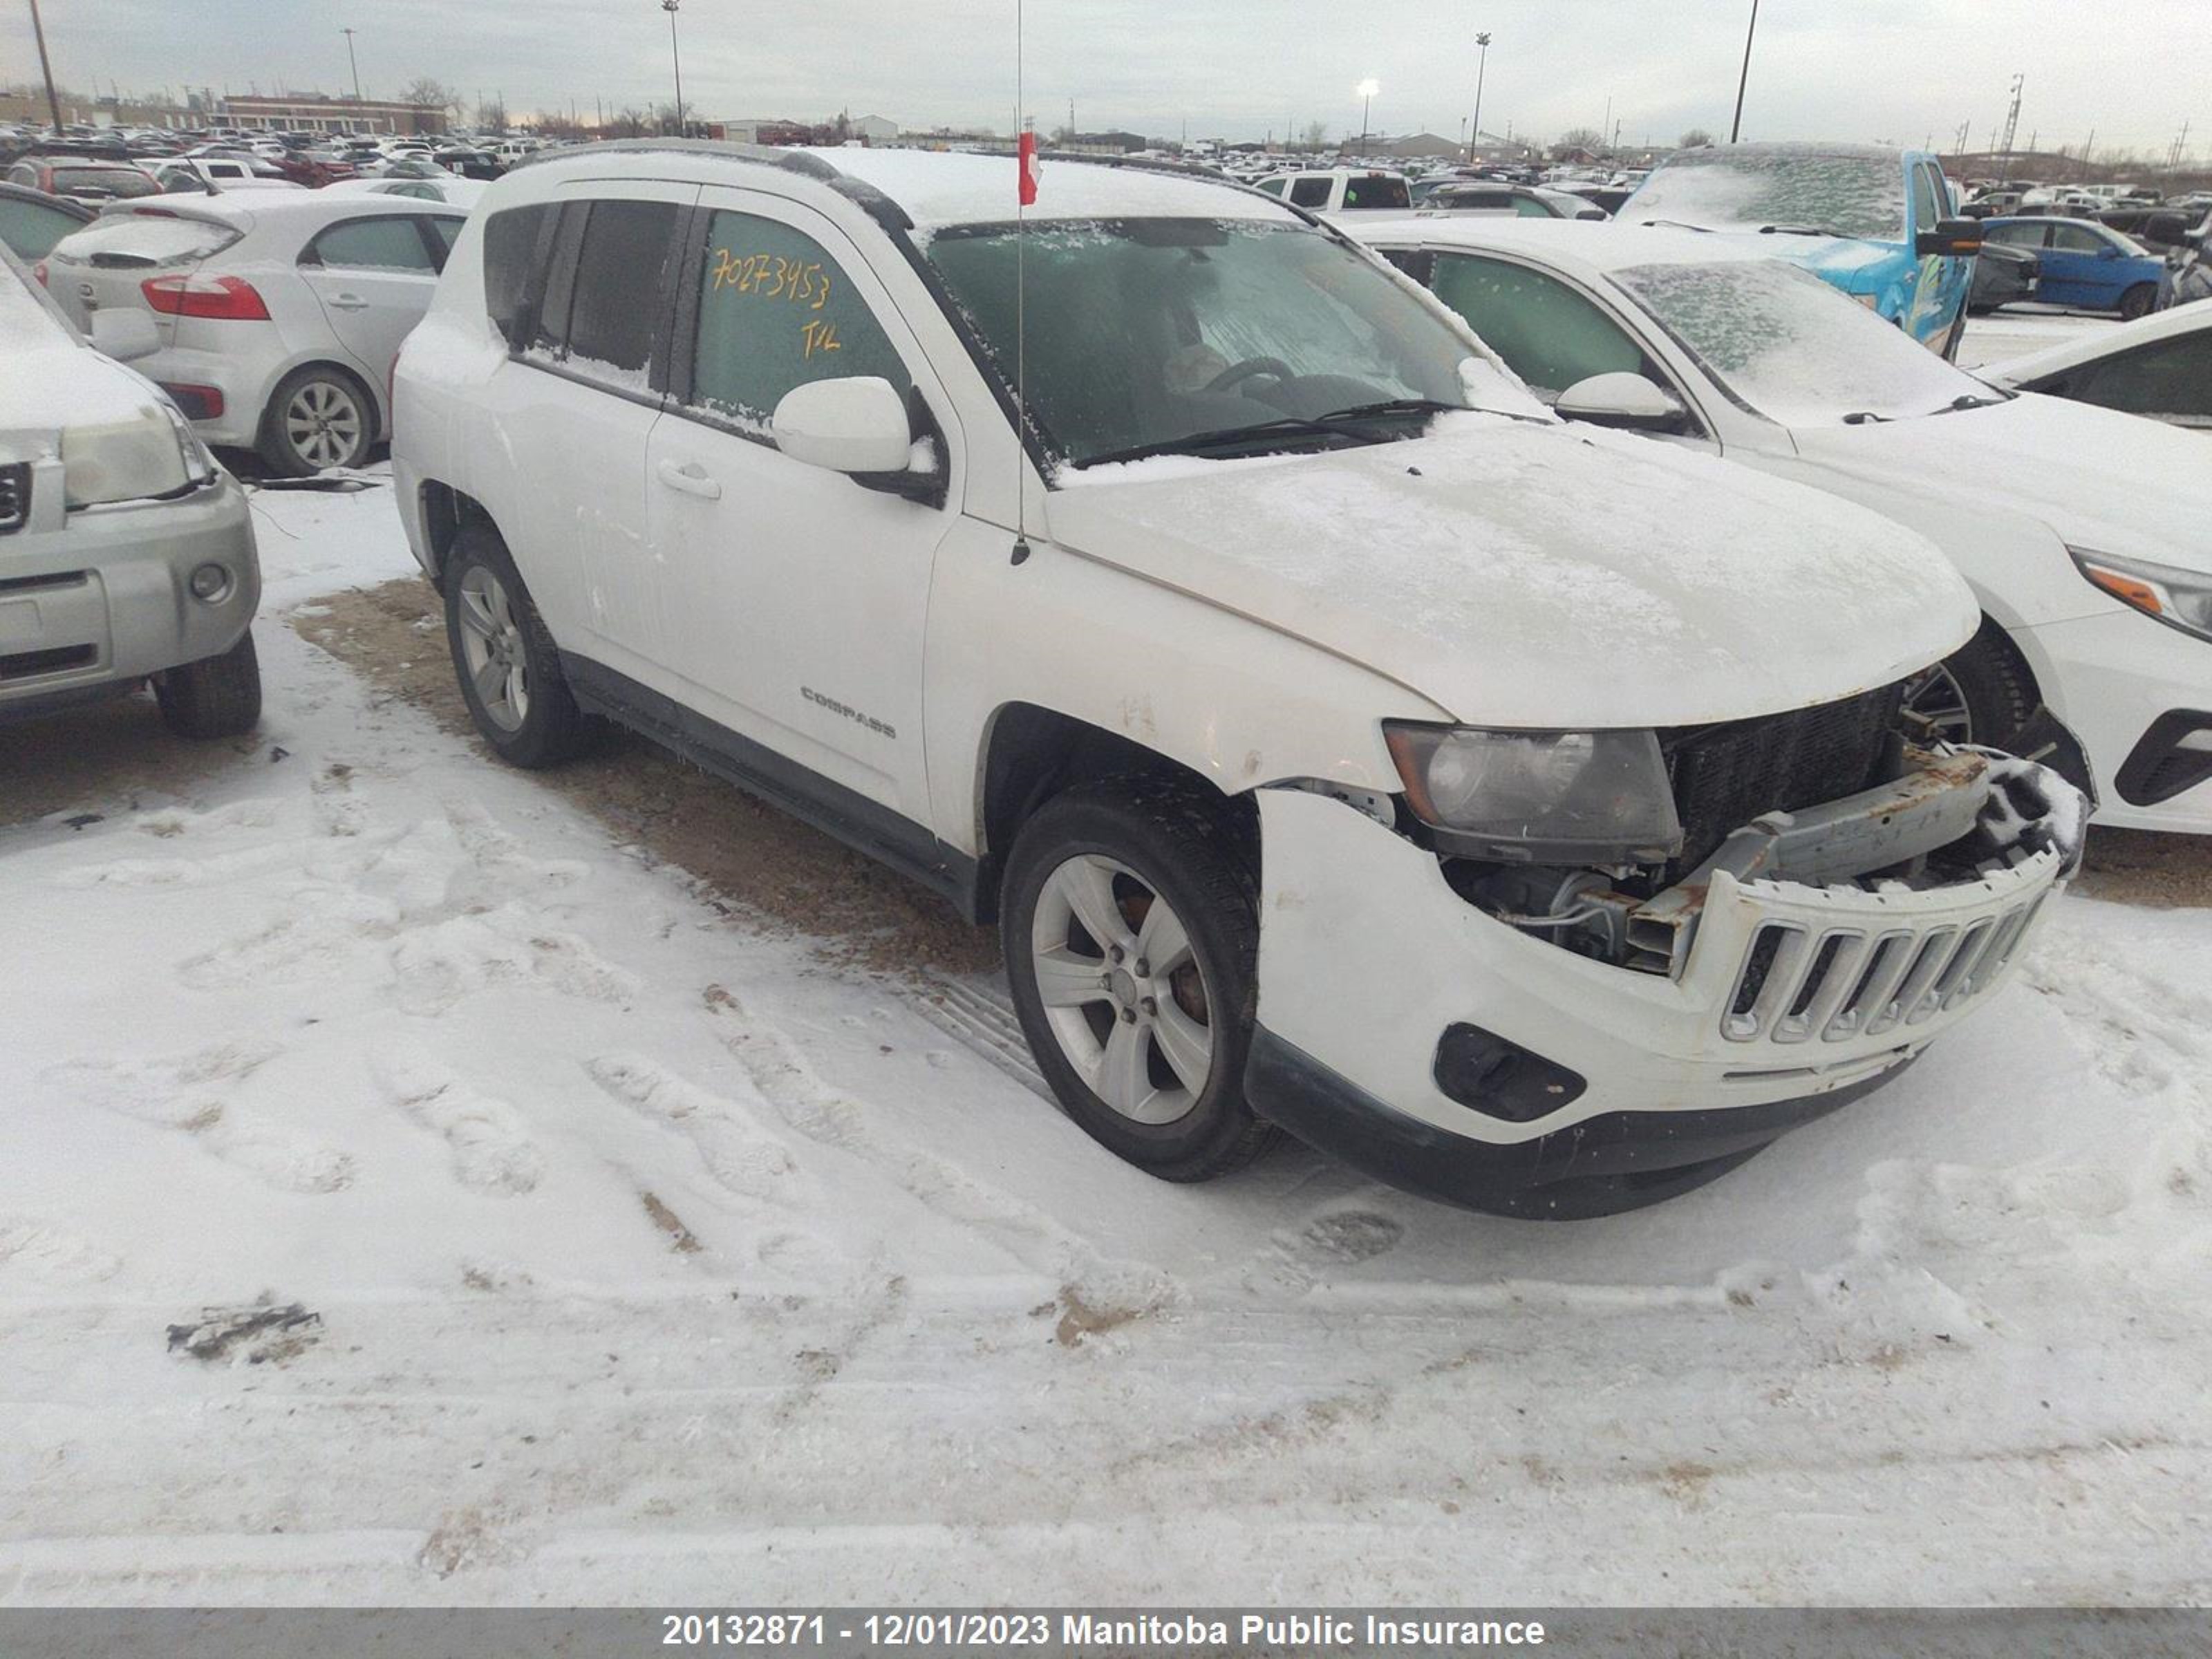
(1144, 331)
(103, 181)
(1786, 344)
(1793, 190)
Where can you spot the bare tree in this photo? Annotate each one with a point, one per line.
(631, 122)
(1588, 139)
(491, 115)
(1697, 138)
(432, 94)
(1315, 135)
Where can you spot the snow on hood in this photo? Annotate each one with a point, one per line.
(50, 379)
(2116, 483)
(1518, 576)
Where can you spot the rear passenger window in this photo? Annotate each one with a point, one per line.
(1370, 193)
(1309, 192)
(371, 244)
(510, 261)
(775, 312)
(444, 232)
(620, 287)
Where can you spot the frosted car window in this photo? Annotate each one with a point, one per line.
(1549, 335)
(777, 310)
(1742, 189)
(1144, 330)
(392, 245)
(1925, 212)
(510, 260)
(1784, 343)
(623, 273)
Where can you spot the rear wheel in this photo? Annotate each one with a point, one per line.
(1981, 693)
(505, 659)
(215, 697)
(2138, 302)
(320, 417)
(1131, 929)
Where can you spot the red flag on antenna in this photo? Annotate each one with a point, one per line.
(1028, 156)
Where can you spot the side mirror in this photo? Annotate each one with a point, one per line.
(125, 336)
(1624, 400)
(856, 425)
(1949, 239)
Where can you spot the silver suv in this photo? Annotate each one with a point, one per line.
(126, 554)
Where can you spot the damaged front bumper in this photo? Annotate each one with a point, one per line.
(1468, 1055)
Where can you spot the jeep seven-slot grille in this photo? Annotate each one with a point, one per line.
(14, 497)
(1726, 776)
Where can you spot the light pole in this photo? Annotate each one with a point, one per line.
(676, 60)
(1744, 80)
(1481, 68)
(1367, 89)
(352, 65)
(53, 102)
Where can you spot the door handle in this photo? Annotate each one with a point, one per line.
(349, 302)
(691, 479)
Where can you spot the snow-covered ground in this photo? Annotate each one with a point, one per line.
(413, 1188)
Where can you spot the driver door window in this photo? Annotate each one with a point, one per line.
(1548, 334)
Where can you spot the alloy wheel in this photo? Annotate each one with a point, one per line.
(492, 648)
(1935, 701)
(1122, 989)
(324, 422)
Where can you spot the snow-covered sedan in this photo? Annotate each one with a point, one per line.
(279, 311)
(2081, 531)
(1340, 743)
(2159, 366)
(126, 554)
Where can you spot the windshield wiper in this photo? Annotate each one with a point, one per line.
(1337, 424)
(1228, 437)
(1865, 417)
(1681, 224)
(1802, 230)
(1968, 400)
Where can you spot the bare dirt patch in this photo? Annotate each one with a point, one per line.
(111, 757)
(2138, 867)
(746, 857)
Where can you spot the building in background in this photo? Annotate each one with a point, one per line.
(307, 112)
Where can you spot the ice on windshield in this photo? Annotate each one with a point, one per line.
(1751, 190)
(1790, 347)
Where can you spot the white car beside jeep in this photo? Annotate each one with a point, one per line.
(2080, 529)
(1340, 743)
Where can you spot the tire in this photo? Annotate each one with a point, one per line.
(1981, 693)
(215, 697)
(2138, 302)
(1153, 840)
(318, 416)
(508, 668)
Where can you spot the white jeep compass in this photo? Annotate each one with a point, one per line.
(1342, 744)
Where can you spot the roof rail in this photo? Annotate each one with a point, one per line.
(805, 163)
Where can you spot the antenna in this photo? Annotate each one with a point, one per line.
(1023, 147)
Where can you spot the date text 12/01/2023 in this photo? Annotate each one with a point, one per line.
(773, 277)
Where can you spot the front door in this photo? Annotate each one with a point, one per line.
(796, 597)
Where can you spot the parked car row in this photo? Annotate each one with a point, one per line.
(1537, 707)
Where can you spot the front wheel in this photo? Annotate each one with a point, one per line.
(1981, 693)
(1130, 918)
(217, 696)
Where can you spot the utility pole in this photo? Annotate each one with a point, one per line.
(676, 59)
(1735, 129)
(352, 63)
(1481, 70)
(53, 101)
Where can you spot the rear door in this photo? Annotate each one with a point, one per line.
(373, 276)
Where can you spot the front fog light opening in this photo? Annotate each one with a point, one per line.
(212, 583)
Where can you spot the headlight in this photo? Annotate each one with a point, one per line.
(1540, 797)
(155, 453)
(2180, 598)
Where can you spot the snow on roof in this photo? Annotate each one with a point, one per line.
(1603, 244)
(936, 189)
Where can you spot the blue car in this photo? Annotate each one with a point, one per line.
(1876, 222)
(2086, 264)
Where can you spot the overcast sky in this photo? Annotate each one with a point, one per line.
(2134, 71)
